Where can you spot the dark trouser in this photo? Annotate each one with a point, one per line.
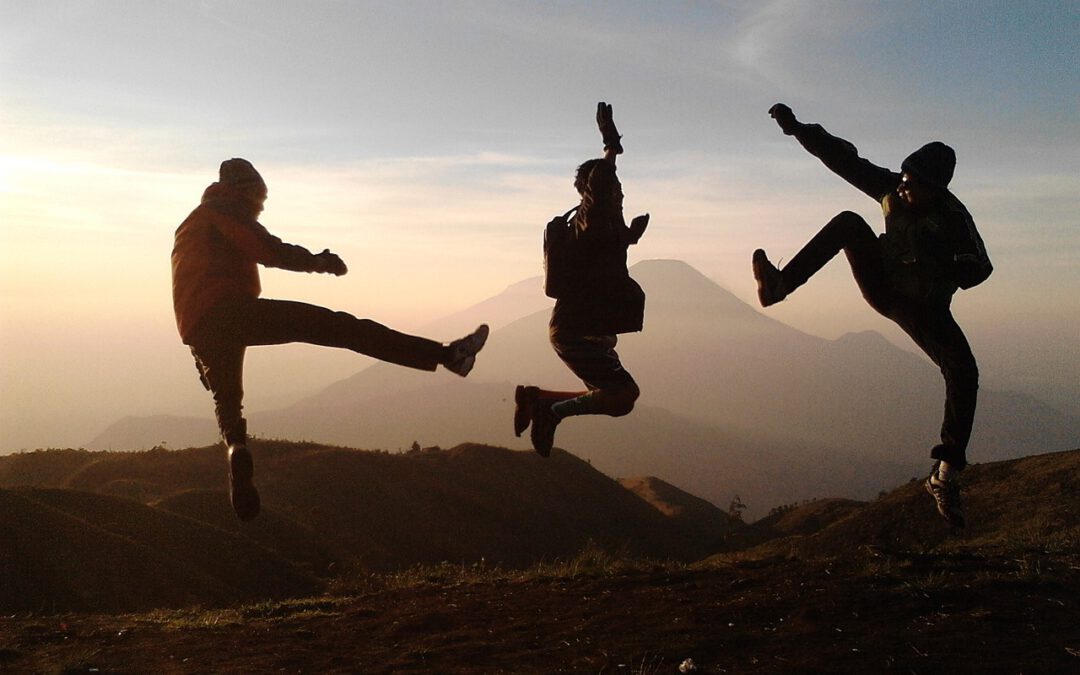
(229, 329)
(930, 324)
(593, 359)
(612, 391)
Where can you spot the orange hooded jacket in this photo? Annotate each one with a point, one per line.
(216, 254)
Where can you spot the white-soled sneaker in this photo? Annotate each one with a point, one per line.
(946, 494)
(462, 352)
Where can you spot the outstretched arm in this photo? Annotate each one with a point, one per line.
(840, 156)
(270, 251)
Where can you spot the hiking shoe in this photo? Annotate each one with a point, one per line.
(770, 282)
(524, 402)
(462, 352)
(544, 421)
(242, 492)
(946, 494)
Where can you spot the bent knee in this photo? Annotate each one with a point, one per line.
(622, 400)
(848, 219)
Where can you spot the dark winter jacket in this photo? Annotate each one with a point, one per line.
(586, 270)
(929, 253)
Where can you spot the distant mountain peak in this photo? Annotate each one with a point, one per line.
(677, 283)
(669, 268)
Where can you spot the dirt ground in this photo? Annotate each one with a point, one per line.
(868, 611)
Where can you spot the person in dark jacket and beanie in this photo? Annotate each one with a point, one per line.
(595, 299)
(215, 283)
(929, 249)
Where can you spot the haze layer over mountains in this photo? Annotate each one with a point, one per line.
(733, 402)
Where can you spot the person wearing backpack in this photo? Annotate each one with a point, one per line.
(219, 314)
(929, 249)
(595, 299)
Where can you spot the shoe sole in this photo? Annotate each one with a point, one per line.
(758, 262)
(478, 339)
(473, 344)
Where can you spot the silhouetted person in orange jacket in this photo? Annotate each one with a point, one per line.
(219, 313)
(929, 249)
(595, 299)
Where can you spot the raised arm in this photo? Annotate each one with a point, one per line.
(612, 149)
(612, 139)
(840, 156)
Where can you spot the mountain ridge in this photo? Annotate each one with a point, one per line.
(717, 376)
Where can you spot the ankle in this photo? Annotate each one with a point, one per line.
(946, 472)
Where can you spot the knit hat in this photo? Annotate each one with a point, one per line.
(239, 173)
(933, 163)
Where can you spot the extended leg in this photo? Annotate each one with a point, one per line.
(936, 332)
(271, 322)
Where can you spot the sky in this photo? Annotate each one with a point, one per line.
(427, 143)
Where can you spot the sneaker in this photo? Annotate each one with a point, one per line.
(544, 421)
(462, 353)
(770, 282)
(524, 401)
(946, 494)
(242, 492)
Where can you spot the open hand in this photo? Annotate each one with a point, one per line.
(606, 123)
(785, 118)
(637, 227)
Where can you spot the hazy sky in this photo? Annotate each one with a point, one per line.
(428, 142)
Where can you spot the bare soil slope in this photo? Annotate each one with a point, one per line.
(856, 614)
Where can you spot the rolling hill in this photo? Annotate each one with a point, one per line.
(118, 531)
(69, 550)
(333, 513)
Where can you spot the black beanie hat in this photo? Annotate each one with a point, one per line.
(933, 163)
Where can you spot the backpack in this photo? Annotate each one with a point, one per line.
(559, 266)
(971, 266)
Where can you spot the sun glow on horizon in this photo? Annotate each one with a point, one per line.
(434, 186)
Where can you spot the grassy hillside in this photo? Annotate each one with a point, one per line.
(72, 550)
(1025, 505)
(856, 611)
(117, 531)
(828, 586)
(109, 531)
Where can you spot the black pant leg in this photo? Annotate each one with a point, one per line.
(225, 333)
(934, 329)
(222, 365)
(271, 322)
(850, 233)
